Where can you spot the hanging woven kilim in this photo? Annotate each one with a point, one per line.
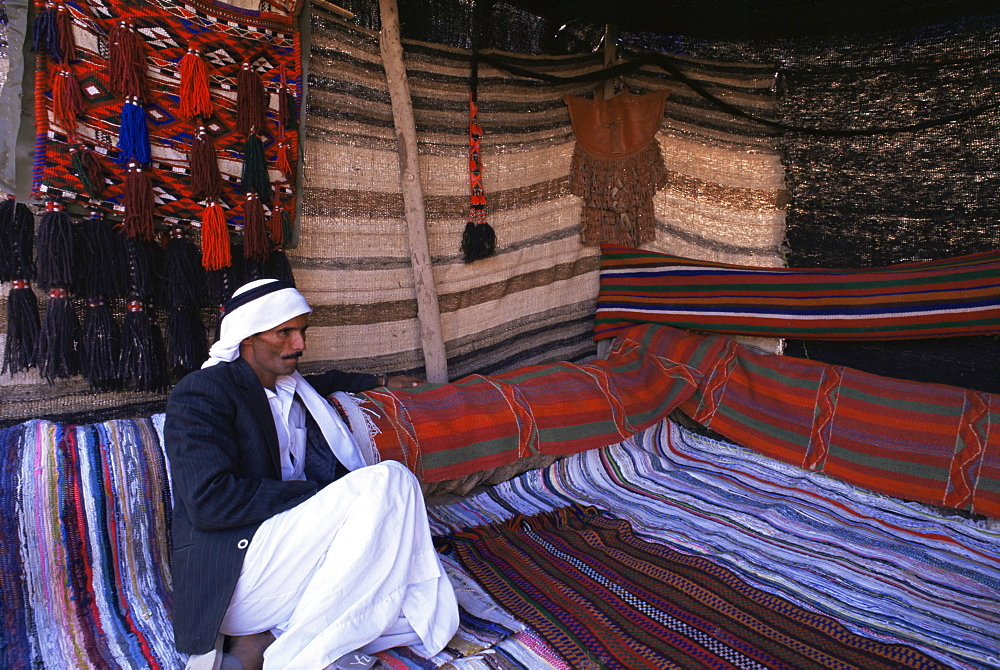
(617, 166)
(157, 85)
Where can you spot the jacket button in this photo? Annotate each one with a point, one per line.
(243, 544)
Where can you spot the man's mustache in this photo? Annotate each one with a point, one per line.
(292, 357)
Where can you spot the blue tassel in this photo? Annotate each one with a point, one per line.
(133, 137)
(45, 36)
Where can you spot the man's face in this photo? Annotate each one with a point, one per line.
(276, 352)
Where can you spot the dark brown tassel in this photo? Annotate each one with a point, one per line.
(56, 353)
(143, 365)
(100, 347)
(64, 30)
(206, 179)
(251, 101)
(90, 169)
(287, 114)
(126, 61)
(256, 244)
(275, 225)
(67, 100)
(195, 98)
(138, 220)
(23, 326)
(54, 248)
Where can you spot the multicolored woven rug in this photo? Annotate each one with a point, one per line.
(226, 37)
(605, 598)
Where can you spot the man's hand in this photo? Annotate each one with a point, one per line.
(401, 382)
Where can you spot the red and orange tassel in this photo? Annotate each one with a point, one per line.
(195, 98)
(215, 249)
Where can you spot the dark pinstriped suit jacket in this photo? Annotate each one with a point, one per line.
(226, 474)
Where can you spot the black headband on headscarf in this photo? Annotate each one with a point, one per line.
(253, 294)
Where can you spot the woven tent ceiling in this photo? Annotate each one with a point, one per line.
(759, 19)
(567, 26)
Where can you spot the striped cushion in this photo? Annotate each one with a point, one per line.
(945, 298)
(929, 443)
(444, 431)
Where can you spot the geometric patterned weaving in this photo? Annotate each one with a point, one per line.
(225, 36)
(923, 442)
(605, 598)
(885, 569)
(444, 431)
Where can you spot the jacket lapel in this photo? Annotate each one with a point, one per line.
(253, 394)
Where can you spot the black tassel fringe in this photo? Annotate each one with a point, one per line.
(479, 241)
(185, 276)
(102, 262)
(143, 364)
(187, 343)
(56, 352)
(100, 347)
(54, 249)
(23, 326)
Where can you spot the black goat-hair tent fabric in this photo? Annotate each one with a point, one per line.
(903, 168)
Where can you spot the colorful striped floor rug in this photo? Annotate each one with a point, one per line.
(887, 570)
(605, 598)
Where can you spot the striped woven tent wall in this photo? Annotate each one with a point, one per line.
(534, 301)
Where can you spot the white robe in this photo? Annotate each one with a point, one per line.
(340, 570)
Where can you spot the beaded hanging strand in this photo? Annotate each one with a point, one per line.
(478, 239)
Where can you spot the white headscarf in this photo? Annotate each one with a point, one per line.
(259, 306)
(268, 306)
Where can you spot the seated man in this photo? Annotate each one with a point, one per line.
(283, 537)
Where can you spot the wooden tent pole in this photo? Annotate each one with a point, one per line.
(428, 310)
(610, 56)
